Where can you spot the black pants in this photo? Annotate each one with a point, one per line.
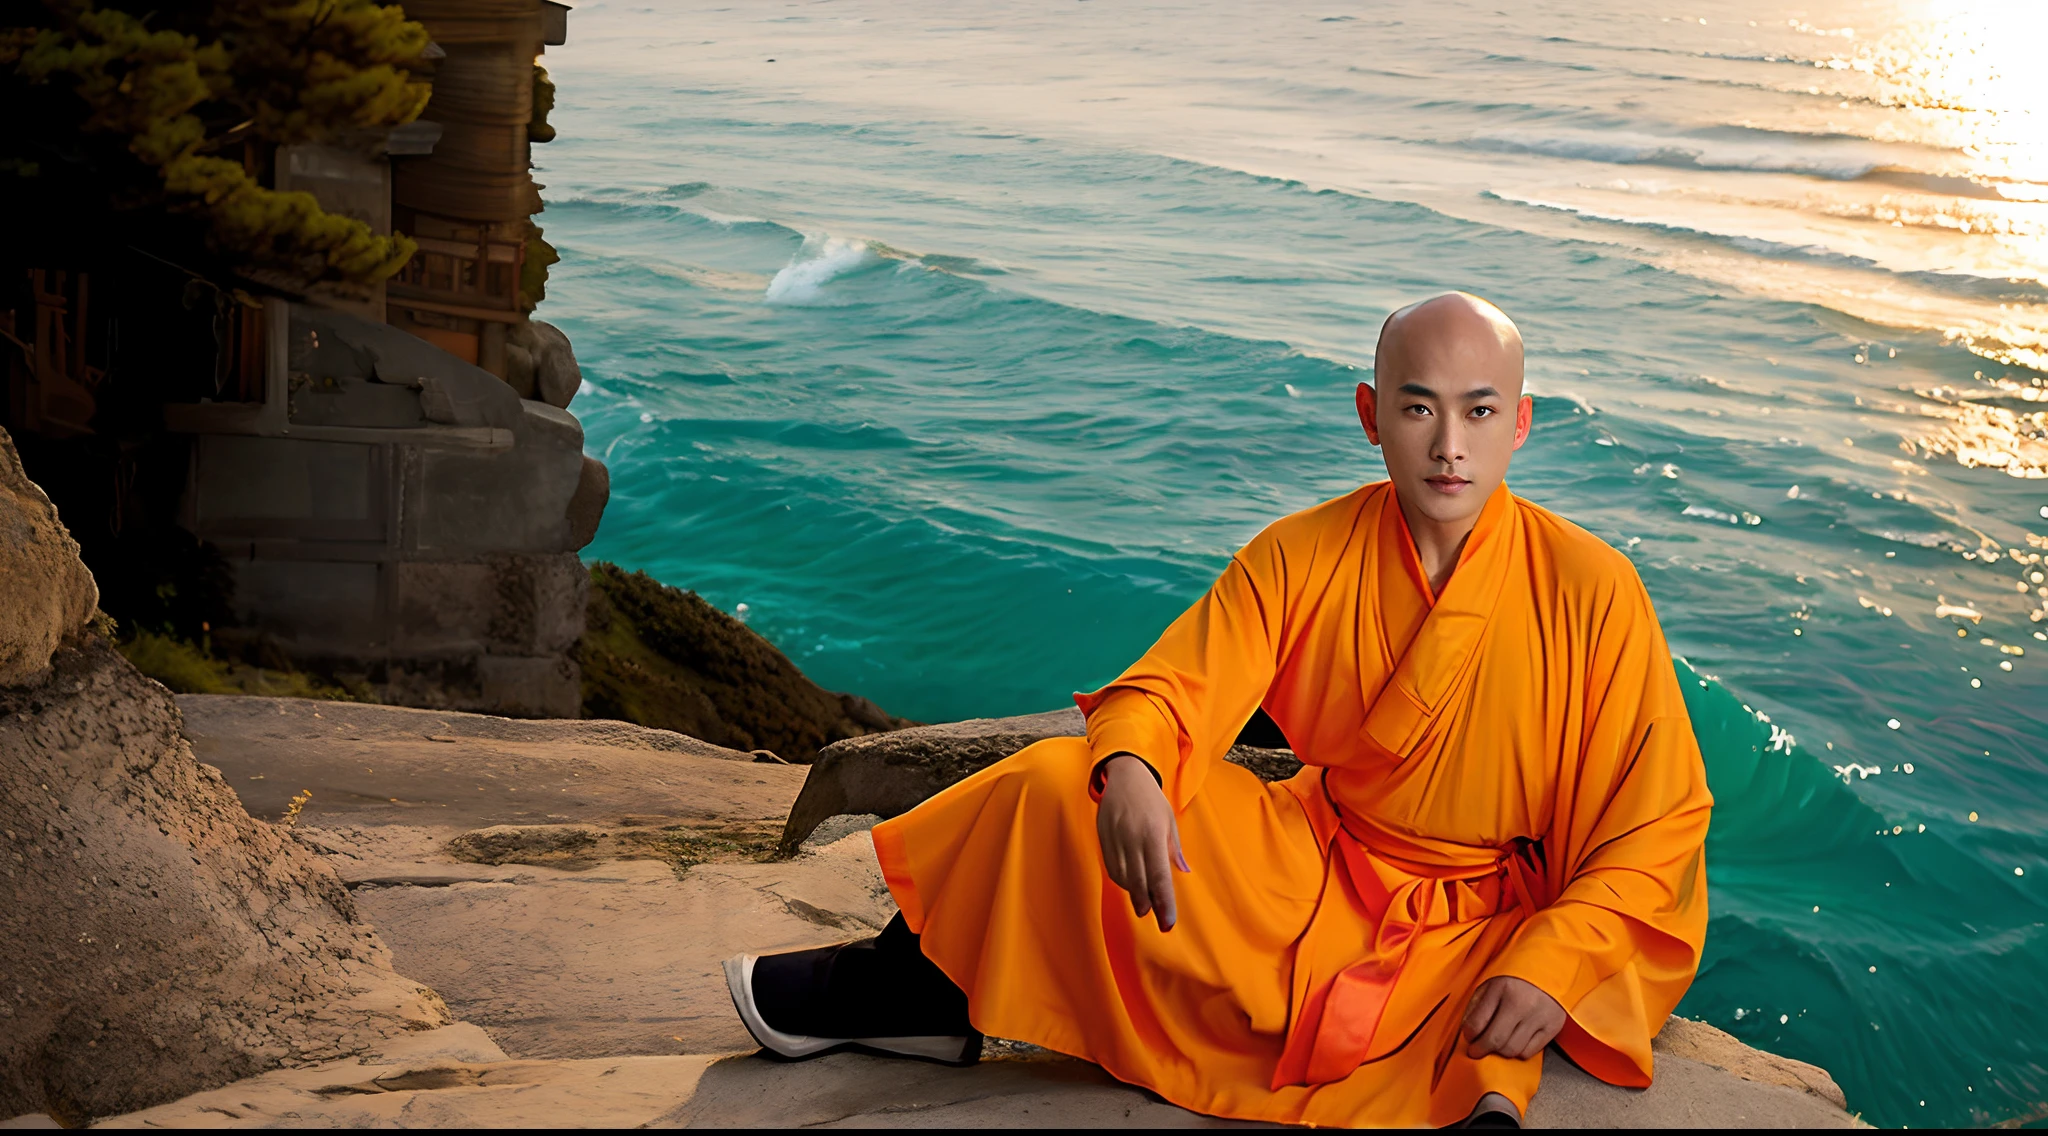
(879, 987)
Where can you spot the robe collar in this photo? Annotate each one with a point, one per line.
(1438, 660)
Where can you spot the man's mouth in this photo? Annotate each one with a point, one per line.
(1447, 483)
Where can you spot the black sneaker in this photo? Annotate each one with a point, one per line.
(739, 981)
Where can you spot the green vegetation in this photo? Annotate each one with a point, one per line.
(165, 116)
(538, 130)
(663, 657)
(186, 668)
(533, 272)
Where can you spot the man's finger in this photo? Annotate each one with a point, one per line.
(1495, 1039)
(1180, 859)
(1161, 881)
(1522, 1042)
(1481, 1012)
(1113, 861)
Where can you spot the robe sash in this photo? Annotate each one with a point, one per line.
(1409, 887)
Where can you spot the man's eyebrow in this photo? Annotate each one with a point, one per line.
(1470, 396)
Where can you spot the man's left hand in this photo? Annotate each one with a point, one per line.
(1512, 1018)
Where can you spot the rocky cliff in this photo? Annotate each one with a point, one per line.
(154, 938)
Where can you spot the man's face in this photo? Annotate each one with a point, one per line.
(1448, 413)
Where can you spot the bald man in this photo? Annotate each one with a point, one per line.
(1494, 843)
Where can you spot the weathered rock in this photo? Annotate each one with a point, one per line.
(519, 369)
(586, 505)
(155, 939)
(889, 774)
(1698, 1041)
(852, 1090)
(559, 947)
(600, 977)
(45, 591)
(556, 376)
(663, 657)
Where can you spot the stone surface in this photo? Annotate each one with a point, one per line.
(586, 505)
(154, 938)
(587, 949)
(889, 774)
(47, 591)
(664, 657)
(1698, 1041)
(490, 850)
(556, 376)
(412, 529)
(856, 1091)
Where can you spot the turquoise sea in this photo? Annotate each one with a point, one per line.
(955, 346)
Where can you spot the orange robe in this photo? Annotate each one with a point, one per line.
(1498, 781)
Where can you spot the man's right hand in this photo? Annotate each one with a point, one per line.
(1140, 841)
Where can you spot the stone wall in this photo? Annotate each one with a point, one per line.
(394, 516)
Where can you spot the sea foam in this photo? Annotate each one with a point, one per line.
(819, 262)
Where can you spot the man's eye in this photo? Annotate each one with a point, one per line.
(1418, 410)
(1482, 411)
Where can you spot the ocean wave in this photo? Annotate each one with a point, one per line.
(2000, 287)
(1830, 157)
(820, 261)
(1634, 148)
(639, 205)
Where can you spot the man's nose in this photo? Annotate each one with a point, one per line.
(1449, 446)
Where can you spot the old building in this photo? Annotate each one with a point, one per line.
(388, 477)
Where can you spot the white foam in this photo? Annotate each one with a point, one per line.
(818, 263)
(1631, 148)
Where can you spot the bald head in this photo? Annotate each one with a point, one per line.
(1446, 406)
(1455, 331)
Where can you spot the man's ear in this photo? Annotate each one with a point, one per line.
(1368, 413)
(1525, 411)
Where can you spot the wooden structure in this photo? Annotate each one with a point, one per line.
(50, 382)
(470, 202)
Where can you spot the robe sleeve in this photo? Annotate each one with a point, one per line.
(1182, 704)
(1620, 942)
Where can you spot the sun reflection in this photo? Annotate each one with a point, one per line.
(1995, 428)
(1975, 66)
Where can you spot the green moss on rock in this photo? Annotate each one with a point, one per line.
(663, 657)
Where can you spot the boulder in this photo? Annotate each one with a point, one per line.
(556, 377)
(586, 505)
(888, 774)
(45, 588)
(155, 939)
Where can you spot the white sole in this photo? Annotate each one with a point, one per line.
(739, 982)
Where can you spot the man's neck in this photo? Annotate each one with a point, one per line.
(1438, 543)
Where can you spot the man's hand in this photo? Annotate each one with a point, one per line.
(1140, 841)
(1512, 1018)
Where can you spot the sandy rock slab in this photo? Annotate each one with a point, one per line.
(572, 886)
(432, 1085)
